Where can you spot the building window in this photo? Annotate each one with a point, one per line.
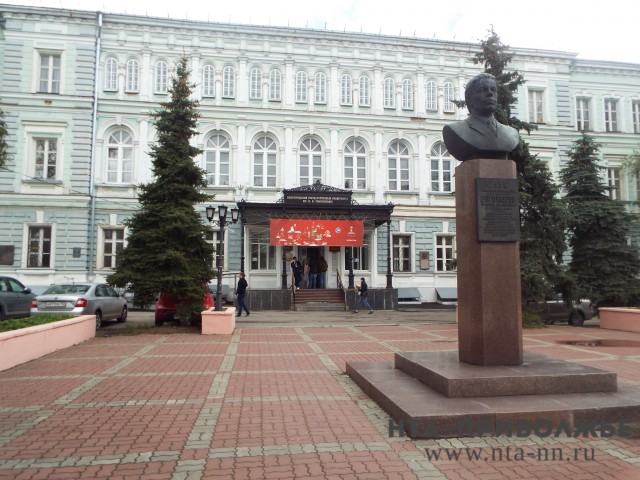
(365, 91)
(132, 83)
(432, 96)
(635, 113)
(441, 169)
(398, 160)
(212, 237)
(613, 182)
(582, 114)
(355, 165)
(161, 73)
(275, 85)
(255, 84)
(301, 87)
(346, 90)
(401, 253)
(39, 247)
(310, 162)
(46, 158)
(208, 81)
(264, 162)
(407, 94)
(112, 246)
(444, 253)
(611, 115)
(49, 73)
(216, 159)
(389, 93)
(449, 97)
(360, 255)
(536, 111)
(111, 74)
(228, 82)
(263, 254)
(321, 88)
(120, 157)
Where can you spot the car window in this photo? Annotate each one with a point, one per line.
(112, 292)
(101, 291)
(14, 285)
(65, 289)
(3, 285)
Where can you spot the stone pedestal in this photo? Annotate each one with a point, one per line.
(489, 305)
(219, 322)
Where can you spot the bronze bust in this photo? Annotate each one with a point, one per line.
(480, 135)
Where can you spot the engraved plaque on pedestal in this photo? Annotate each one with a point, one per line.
(498, 211)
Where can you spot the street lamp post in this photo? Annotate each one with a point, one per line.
(219, 217)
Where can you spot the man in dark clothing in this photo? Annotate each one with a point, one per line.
(296, 269)
(322, 274)
(241, 291)
(363, 296)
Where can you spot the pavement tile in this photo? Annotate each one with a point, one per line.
(282, 384)
(50, 367)
(290, 363)
(34, 391)
(168, 349)
(191, 364)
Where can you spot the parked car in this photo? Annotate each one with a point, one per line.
(15, 299)
(75, 299)
(165, 310)
(557, 310)
(228, 292)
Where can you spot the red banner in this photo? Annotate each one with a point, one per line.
(291, 231)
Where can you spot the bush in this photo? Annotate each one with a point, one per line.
(18, 323)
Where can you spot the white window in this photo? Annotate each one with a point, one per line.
(432, 96)
(355, 165)
(120, 157)
(208, 81)
(536, 110)
(407, 94)
(39, 247)
(161, 73)
(216, 159)
(132, 83)
(49, 73)
(263, 254)
(346, 90)
(46, 158)
(398, 161)
(255, 84)
(389, 93)
(301, 87)
(113, 244)
(441, 169)
(111, 74)
(582, 114)
(265, 155)
(635, 113)
(321, 88)
(213, 238)
(611, 115)
(275, 85)
(445, 248)
(365, 91)
(613, 182)
(310, 162)
(449, 97)
(361, 255)
(228, 82)
(402, 253)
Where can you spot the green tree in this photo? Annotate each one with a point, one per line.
(166, 250)
(604, 265)
(4, 148)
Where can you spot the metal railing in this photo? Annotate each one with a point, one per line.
(341, 287)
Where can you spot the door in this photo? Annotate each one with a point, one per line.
(18, 301)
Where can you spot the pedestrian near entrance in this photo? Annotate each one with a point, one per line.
(322, 274)
(296, 270)
(363, 296)
(313, 273)
(241, 291)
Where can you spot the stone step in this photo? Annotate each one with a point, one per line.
(320, 307)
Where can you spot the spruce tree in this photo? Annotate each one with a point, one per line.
(4, 148)
(166, 250)
(604, 266)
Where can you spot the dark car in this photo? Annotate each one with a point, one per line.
(557, 310)
(165, 310)
(15, 299)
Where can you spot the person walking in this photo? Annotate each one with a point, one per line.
(241, 291)
(296, 269)
(322, 274)
(313, 273)
(363, 296)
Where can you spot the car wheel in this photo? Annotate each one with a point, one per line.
(123, 318)
(98, 319)
(159, 321)
(576, 318)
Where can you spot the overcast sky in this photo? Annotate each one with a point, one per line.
(598, 30)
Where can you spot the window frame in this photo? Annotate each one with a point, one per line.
(268, 158)
(47, 81)
(356, 172)
(611, 115)
(361, 255)
(110, 75)
(431, 96)
(117, 245)
(614, 183)
(536, 105)
(398, 247)
(310, 152)
(443, 262)
(346, 90)
(320, 97)
(161, 78)
(214, 167)
(45, 248)
(255, 84)
(389, 88)
(228, 82)
(440, 155)
(123, 172)
(275, 85)
(212, 237)
(263, 254)
(397, 156)
(209, 81)
(46, 155)
(302, 87)
(635, 115)
(583, 114)
(132, 78)
(364, 94)
(449, 94)
(407, 94)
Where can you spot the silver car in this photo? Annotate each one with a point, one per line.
(74, 299)
(15, 298)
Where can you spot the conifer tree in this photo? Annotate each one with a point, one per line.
(4, 148)
(166, 250)
(604, 266)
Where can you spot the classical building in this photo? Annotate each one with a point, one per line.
(282, 110)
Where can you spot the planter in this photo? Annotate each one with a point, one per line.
(626, 319)
(219, 323)
(26, 344)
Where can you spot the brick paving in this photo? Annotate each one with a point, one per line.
(271, 402)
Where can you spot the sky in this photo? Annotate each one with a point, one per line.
(595, 30)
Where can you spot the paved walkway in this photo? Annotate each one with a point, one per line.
(271, 402)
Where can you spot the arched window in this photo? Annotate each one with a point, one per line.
(160, 77)
(310, 162)
(365, 91)
(119, 156)
(407, 94)
(229, 82)
(389, 93)
(346, 90)
(355, 165)
(301, 87)
(265, 157)
(321, 88)
(449, 95)
(398, 161)
(275, 85)
(441, 169)
(208, 81)
(132, 83)
(216, 159)
(432, 96)
(111, 74)
(255, 84)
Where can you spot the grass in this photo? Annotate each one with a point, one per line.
(18, 323)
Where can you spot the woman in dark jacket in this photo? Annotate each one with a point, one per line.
(363, 296)
(241, 291)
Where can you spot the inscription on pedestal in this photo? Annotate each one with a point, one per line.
(498, 210)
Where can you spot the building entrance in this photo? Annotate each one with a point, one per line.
(311, 256)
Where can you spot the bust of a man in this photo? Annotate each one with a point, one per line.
(480, 135)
